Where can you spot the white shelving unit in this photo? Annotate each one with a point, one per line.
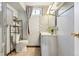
(16, 32)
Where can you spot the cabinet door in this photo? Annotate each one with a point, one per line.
(52, 46)
(76, 27)
(44, 46)
(48, 45)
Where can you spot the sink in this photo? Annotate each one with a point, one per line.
(45, 33)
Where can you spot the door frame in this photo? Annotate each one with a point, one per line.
(4, 27)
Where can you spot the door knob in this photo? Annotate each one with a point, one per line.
(75, 34)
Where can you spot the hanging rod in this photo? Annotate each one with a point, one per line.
(66, 10)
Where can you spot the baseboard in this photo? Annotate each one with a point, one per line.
(32, 46)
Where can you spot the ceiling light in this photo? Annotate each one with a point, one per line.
(52, 8)
(49, 9)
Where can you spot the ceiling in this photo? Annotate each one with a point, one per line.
(38, 3)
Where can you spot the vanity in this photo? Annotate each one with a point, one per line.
(48, 44)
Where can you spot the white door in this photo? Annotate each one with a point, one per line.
(0, 41)
(0, 31)
(76, 27)
(34, 31)
(65, 23)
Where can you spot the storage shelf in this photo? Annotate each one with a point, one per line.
(17, 20)
(17, 29)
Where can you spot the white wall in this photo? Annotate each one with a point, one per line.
(15, 12)
(1, 32)
(34, 31)
(22, 16)
(46, 21)
(39, 24)
(65, 24)
(23, 5)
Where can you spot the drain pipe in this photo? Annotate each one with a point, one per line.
(56, 13)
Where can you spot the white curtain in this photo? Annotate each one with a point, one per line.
(28, 13)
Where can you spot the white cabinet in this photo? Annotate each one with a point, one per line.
(65, 24)
(0, 41)
(48, 44)
(76, 27)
